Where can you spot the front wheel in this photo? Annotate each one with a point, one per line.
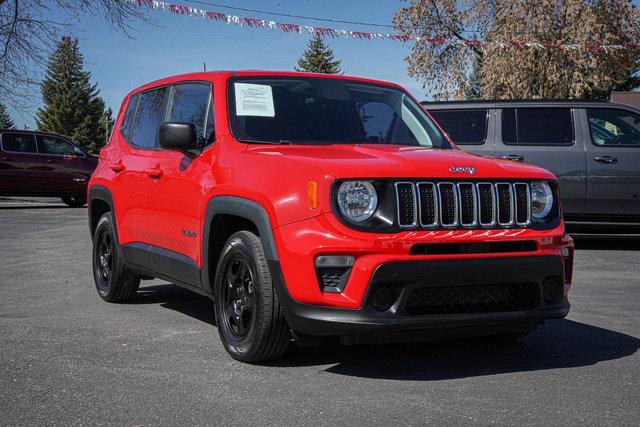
(114, 281)
(250, 321)
(76, 201)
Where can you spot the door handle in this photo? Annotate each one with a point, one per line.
(117, 167)
(6, 158)
(606, 159)
(154, 173)
(514, 157)
(51, 161)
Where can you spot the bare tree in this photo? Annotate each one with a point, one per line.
(28, 35)
(526, 72)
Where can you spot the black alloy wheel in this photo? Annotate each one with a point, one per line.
(238, 296)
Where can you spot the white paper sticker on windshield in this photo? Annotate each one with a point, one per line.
(254, 100)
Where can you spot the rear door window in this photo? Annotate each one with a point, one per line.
(537, 126)
(190, 103)
(465, 127)
(614, 127)
(19, 142)
(149, 115)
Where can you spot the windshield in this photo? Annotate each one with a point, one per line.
(307, 110)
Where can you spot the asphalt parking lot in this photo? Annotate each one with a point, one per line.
(66, 357)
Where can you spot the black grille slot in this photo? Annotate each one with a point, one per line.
(504, 204)
(487, 204)
(427, 197)
(473, 299)
(522, 203)
(467, 204)
(448, 204)
(406, 204)
(463, 204)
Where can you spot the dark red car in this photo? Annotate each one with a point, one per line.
(307, 206)
(45, 165)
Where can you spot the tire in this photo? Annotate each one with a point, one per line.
(76, 201)
(114, 281)
(250, 321)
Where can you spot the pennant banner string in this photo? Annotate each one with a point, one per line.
(364, 35)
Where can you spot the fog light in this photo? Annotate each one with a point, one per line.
(382, 299)
(333, 272)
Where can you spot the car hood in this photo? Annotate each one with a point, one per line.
(394, 161)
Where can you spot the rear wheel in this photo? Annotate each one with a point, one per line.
(250, 321)
(76, 201)
(114, 281)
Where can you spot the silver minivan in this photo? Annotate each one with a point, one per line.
(592, 147)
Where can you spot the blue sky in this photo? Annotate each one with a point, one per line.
(178, 44)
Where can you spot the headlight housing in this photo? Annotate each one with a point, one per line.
(541, 199)
(357, 200)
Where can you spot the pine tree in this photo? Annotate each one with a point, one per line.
(72, 105)
(6, 122)
(318, 58)
(474, 82)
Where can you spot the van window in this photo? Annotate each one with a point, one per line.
(148, 117)
(189, 103)
(537, 126)
(615, 127)
(18, 142)
(465, 127)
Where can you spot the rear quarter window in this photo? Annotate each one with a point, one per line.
(537, 126)
(465, 127)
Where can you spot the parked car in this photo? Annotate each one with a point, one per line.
(307, 205)
(45, 165)
(592, 147)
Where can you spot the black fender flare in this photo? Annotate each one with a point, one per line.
(244, 208)
(98, 192)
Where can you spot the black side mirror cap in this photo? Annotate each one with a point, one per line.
(178, 136)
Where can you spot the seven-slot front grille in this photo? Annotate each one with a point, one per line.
(463, 204)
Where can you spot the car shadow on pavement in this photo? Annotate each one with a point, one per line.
(176, 298)
(556, 344)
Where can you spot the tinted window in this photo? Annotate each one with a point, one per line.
(55, 146)
(614, 127)
(465, 126)
(309, 110)
(377, 118)
(18, 142)
(537, 126)
(148, 117)
(189, 103)
(128, 115)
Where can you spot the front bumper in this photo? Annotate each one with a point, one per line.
(407, 277)
(388, 261)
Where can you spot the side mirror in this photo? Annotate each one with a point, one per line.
(178, 136)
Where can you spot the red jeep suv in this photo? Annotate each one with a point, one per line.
(307, 206)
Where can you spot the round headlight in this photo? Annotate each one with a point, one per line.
(357, 200)
(541, 199)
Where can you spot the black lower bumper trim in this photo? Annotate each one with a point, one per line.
(319, 320)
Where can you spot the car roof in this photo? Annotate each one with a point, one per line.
(499, 103)
(210, 75)
(34, 132)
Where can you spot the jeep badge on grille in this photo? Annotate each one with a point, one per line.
(463, 169)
